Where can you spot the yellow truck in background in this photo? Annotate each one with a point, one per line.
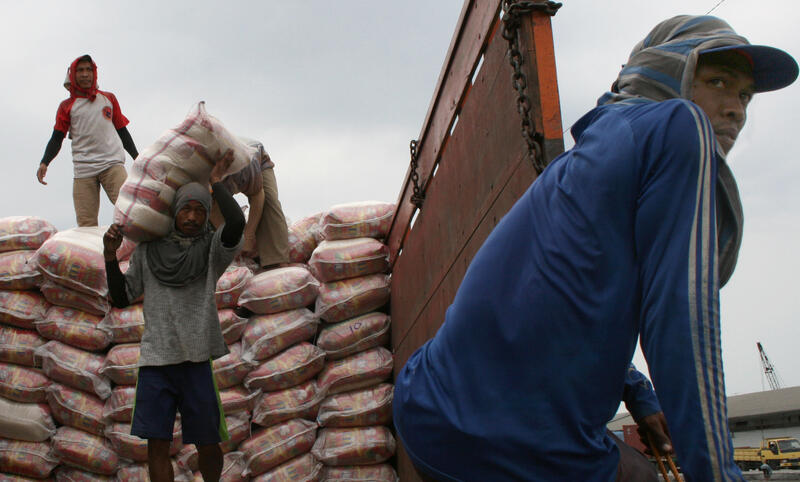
(778, 453)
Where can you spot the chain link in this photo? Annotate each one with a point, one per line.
(418, 197)
(513, 11)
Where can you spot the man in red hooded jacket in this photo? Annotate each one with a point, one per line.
(96, 126)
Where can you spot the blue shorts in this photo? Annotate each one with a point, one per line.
(190, 389)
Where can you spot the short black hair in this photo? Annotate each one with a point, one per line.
(86, 57)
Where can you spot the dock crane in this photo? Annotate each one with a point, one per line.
(769, 370)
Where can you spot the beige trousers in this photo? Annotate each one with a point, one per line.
(272, 235)
(86, 193)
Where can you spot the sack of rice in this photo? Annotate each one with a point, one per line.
(18, 345)
(272, 446)
(71, 474)
(358, 408)
(31, 422)
(231, 369)
(266, 335)
(22, 308)
(85, 451)
(24, 232)
(232, 325)
(354, 446)
(140, 472)
(233, 465)
(238, 398)
(354, 335)
(119, 406)
(341, 300)
(76, 408)
(356, 371)
(288, 368)
(302, 239)
(304, 468)
(17, 272)
(301, 401)
(370, 219)
(348, 258)
(28, 459)
(279, 290)
(74, 258)
(125, 324)
(74, 367)
(62, 296)
(121, 364)
(23, 384)
(73, 327)
(238, 430)
(134, 448)
(362, 473)
(187, 458)
(231, 285)
(183, 154)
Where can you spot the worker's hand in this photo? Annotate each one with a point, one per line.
(41, 173)
(655, 427)
(249, 248)
(112, 240)
(221, 166)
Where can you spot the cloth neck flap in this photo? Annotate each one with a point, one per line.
(176, 259)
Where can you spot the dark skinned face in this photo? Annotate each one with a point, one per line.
(191, 218)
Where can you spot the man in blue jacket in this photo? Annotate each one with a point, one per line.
(629, 235)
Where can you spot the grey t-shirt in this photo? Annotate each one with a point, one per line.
(180, 323)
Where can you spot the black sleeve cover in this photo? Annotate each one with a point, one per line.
(53, 146)
(127, 142)
(234, 219)
(116, 285)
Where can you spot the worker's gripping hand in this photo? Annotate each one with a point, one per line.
(221, 166)
(655, 426)
(111, 242)
(41, 172)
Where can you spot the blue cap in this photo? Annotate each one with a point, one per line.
(773, 68)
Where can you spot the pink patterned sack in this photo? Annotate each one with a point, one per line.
(31, 422)
(17, 272)
(238, 398)
(74, 327)
(232, 325)
(358, 408)
(279, 290)
(22, 384)
(74, 258)
(272, 446)
(369, 219)
(85, 451)
(121, 364)
(267, 335)
(341, 300)
(119, 406)
(354, 335)
(301, 401)
(354, 446)
(62, 296)
(74, 367)
(302, 238)
(76, 408)
(348, 258)
(134, 448)
(238, 430)
(28, 459)
(22, 308)
(356, 371)
(125, 324)
(233, 465)
(288, 368)
(231, 285)
(231, 369)
(17, 345)
(362, 473)
(304, 468)
(24, 232)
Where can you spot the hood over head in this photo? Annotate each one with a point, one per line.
(74, 89)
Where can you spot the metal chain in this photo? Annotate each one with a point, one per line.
(513, 11)
(418, 197)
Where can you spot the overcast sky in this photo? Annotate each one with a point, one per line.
(335, 90)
